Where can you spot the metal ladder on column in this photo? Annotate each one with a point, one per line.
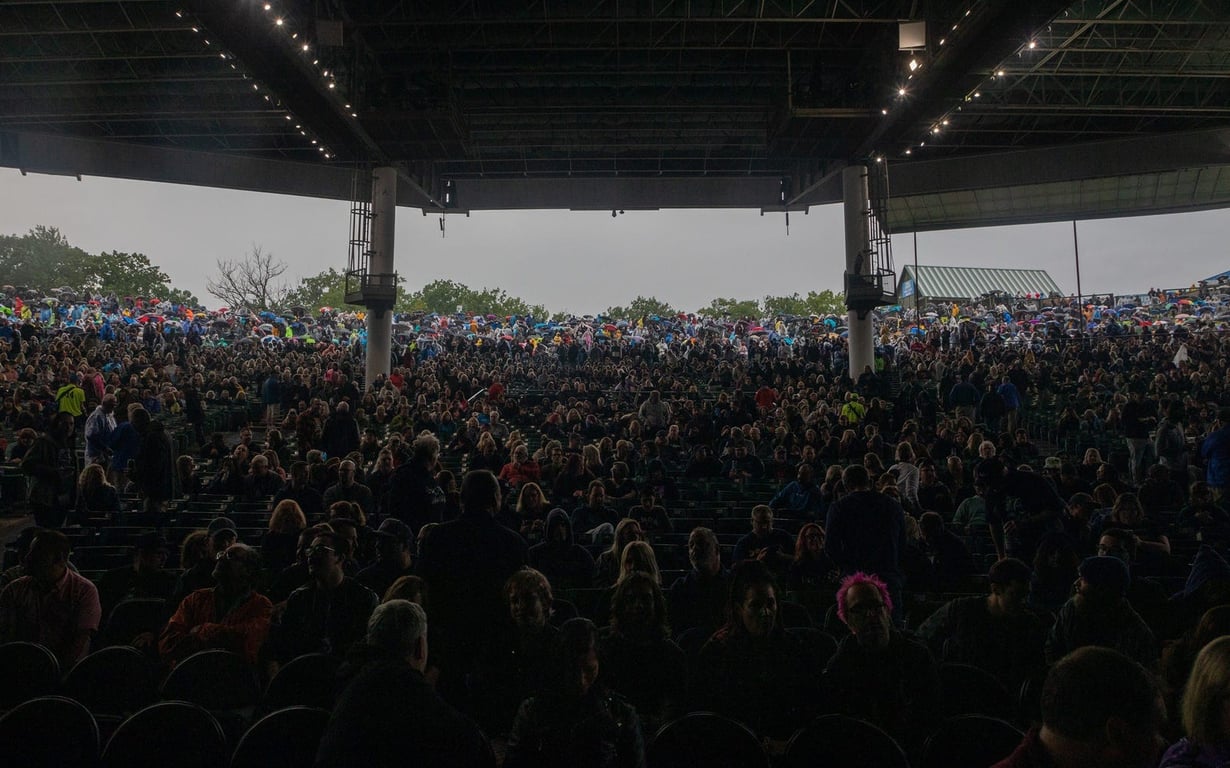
(362, 286)
(876, 283)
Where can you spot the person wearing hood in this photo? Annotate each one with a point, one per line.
(566, 564)
(154, 467)
(1099, 614)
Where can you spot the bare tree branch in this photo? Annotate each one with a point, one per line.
(250, 282)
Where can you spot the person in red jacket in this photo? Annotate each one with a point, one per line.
(230, 616)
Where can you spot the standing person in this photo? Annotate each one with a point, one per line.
(98, 429)
(866, 533)
(153, 469)
(1215, 450)
(271, 397)
(1139, 416)
(414, 496)
(52, 470)
(70, 399)
(1012, 403)
(466, 563)
(341, 432)
(1038, 511)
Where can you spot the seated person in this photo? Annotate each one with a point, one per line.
(772, 546)
(326, 615)
(751, 670)
(559, 558)
(1202, 511)
(230, 616)
(394, 543)
(698, 599)
(50, 604)
(996, 633)
(812, 568)
(878, 674)
(518, 663)
(220, 534)
(1099, 614)
(626, 532)
(1099, 708)
(801, 497)
(576, 721)
(743, 464)
(390, 704)
(638, 659)
(1143, 593)
(651, 515)
(595, 520)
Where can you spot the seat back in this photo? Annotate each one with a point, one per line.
(307, 681)
(49, 732)
(288, 737)
(970, 741)
(836, 741)
(113, 681)
(167, 733)
(30, 671)
(969, 690)
(216, 680)
(133, 617)
(705, 738)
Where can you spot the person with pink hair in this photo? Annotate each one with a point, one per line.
(878, 674)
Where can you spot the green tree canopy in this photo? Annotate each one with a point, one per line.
(735, 309)
(641, 306)
(44, 260)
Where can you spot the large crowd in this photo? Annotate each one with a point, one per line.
(547, 542)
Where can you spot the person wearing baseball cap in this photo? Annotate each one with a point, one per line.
(394, 544)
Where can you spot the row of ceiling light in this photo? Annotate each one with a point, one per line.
(915, 63)
(280, 24)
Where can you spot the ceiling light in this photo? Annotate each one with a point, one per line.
(268, 7)
(1000, 73)
(279, 22)
(943, 40)
(945, 122)
(913, 65)
(883, 111)
(909, 151)
(1032, 44)
(977, 94)
(179, 14)
(194, 29)
(332, 86)
(879, 159)
(287, 117)
(900, 91)
(305, 46)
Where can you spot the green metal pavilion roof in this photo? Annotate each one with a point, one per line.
(964, 283)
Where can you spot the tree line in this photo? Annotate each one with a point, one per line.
(44, 260)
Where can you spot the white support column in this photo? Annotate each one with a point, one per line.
(380, 267)
(861, 339)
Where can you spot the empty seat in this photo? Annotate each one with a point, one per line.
(134, 617)
(705, 738)
(970, 741)
(287, 738)
(167, 733)
(838, 741)
(969, 690)
(216, 680)
(308, 681)
(49, 732)
(113, 681)
(30, 671)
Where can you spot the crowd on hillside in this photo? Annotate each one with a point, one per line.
(427, 529)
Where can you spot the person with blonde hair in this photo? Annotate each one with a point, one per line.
(627, 531)
(281, 540)
(1206, 716)
(638, 557)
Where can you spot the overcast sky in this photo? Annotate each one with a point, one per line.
(585, 262)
